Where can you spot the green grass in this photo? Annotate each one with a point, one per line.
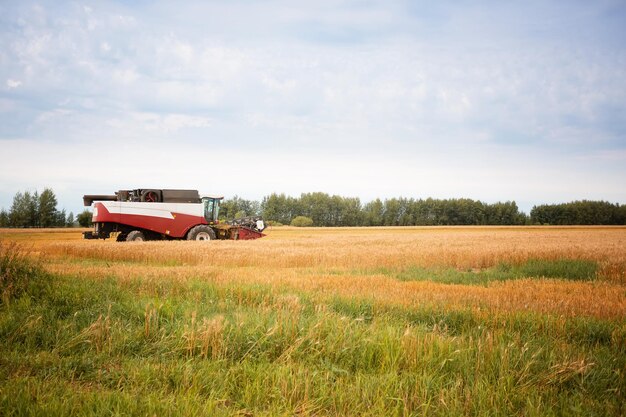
(16, 272)
(74, 346)
(569, 269)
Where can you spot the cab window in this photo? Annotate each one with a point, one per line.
(209, 207)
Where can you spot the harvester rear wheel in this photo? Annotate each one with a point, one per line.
(201, 232)
(136, 236)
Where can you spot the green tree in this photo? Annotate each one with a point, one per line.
(238, 207)
(280, 208)
(61, 219)
(579, 213)
(317, 206)
(32, 203)
(392, 212)
(70, 220)
(4, 218)
(302, 221)
(48, 214)
(19, 212)
(405, 216)
(84, 219)
(373, 213)
(352, 212)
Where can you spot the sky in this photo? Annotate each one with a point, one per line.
(488, 100)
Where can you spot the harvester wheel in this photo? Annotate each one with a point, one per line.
(121, 237)
(136, 236)
(201, 232)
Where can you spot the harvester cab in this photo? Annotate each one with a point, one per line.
(211, 208)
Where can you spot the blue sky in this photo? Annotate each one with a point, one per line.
(486, 100)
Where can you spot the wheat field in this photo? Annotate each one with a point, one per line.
(321, 321)
(361, 262)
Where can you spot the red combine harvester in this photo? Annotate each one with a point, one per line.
(154, 214)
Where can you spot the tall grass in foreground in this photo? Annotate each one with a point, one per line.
(75, 346)
(16, 271)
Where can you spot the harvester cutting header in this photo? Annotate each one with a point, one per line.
(157, 214)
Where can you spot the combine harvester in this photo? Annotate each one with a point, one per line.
(153, 214)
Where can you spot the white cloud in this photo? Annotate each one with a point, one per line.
(13, 83)
(403, 101)
(123, 21)
(54, 116)
(125, 75)
(157, 123)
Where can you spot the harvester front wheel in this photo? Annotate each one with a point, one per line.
(136, 236)
(201, 232)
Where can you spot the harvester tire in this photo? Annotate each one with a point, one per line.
(136, 236)
(201, 232)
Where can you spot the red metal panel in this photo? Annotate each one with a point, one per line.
(176, 227)
(249, 234)
(102, 215)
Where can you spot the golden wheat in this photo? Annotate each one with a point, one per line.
(353, 263)
(372, 248)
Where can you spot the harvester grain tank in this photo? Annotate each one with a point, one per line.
(157, 214)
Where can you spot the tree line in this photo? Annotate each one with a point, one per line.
(321, 209)
(333, 210)
(326, 210)
(579, 213)
(40, 210)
